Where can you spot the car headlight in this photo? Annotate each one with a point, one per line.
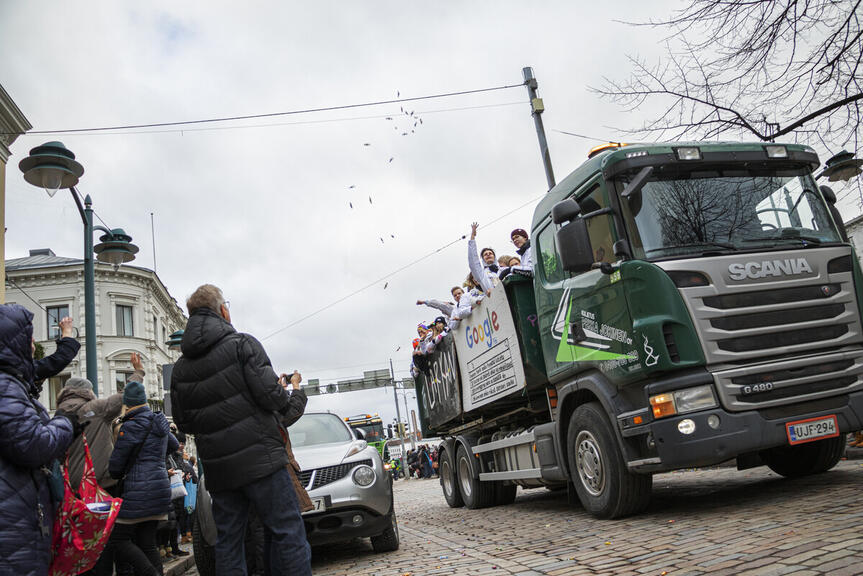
(364, 476)
(683, 401)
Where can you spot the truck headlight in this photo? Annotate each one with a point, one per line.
(364, 476)
(683, 401)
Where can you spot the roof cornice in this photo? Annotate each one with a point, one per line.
(13, 123)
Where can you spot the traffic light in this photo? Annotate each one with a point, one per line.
(389, 430)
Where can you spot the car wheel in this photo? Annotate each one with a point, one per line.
(388, 540)
(475, 494)
(809, 458)
(604, 486)
(448, 482)
(205, 557)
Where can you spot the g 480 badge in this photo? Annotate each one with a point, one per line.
(756, 388)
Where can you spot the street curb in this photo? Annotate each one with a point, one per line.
(179, 567)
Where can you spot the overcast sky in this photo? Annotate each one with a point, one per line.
(262, 208)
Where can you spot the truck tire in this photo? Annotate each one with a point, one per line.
(604, 486)
(805, 459)
(205, 556)
(448, 480)
(504, 493)
(474, 493)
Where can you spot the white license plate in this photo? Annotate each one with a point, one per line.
(319, 506)
(812, 429)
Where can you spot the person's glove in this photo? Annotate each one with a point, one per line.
(72, 417)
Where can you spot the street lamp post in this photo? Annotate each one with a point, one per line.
(52, 166)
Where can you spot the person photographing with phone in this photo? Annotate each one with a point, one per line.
(225, 392)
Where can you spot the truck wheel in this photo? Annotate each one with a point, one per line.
(205, 557)
(504, 493)
(475, 494)
(448, 481)
(604, 486)
(805, 459)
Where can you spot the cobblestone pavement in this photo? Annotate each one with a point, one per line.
(717, 521)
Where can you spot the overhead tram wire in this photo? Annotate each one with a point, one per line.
(271, 114)
(393, 273)
(297, 123)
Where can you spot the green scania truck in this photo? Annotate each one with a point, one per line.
(691, 303)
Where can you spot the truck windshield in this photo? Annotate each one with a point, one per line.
(693, 215)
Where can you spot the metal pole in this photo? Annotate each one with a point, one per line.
(399, 419)
(537, 108)
(414, 435)
(153, 239)
(90, 298)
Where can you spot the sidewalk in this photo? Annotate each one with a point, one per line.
(178, 565)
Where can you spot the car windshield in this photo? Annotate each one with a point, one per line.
(314, 429)
(719, 213)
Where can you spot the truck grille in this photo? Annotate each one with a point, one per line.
(755, 332)
(318, 477)
(790, 380)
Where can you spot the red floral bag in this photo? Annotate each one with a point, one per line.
(81, 531)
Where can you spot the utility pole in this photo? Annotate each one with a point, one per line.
(537, 108)
(414, 430)
(399, 418)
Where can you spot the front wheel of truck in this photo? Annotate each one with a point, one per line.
(604, 486)
(805, 459)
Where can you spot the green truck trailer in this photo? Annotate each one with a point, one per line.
(691, 304)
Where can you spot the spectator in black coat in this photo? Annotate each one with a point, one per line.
(225, 392)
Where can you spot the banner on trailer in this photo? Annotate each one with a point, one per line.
(488, 353)
(439, 387)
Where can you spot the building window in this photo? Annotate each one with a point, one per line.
(124, 321)
(155, 323)
(55, 314)
(55, 385)
(164, 336)
(120, 380)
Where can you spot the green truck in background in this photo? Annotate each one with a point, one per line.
(691, 303)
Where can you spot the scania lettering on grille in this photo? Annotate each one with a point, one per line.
(756, 270)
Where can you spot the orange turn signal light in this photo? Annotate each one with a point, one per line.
(552, 397)
(663, 405)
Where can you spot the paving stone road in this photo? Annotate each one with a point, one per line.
(718, 521)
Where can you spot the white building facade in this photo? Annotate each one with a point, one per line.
(135, 313)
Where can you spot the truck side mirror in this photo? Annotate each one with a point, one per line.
(565, 210)
(359, 434)
(829, 194)
(573, 246)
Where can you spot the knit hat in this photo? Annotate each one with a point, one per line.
(134, 394)
(518, 232)
(79, 383)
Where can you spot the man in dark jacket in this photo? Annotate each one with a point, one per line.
(29, 440)
(225, 392)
